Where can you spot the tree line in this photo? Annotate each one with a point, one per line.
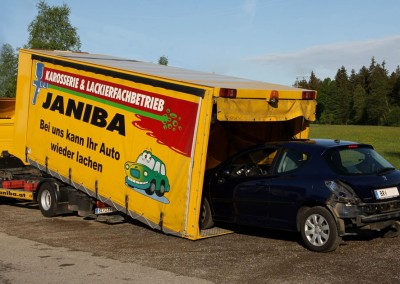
(370, 96)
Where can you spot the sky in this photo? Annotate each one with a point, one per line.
(276, 41)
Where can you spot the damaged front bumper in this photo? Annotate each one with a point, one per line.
(366, 216)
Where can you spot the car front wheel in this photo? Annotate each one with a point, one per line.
(318, 230)
(206, 221)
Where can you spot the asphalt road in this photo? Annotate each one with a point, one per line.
(69, 249)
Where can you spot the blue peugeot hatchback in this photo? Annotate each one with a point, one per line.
(324, 189)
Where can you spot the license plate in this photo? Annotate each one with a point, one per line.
(104, 210)
(386, 193)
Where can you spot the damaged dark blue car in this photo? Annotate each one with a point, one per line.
(323, 189)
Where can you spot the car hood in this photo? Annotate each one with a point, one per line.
(365, 185)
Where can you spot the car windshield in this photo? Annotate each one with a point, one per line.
(357, 160)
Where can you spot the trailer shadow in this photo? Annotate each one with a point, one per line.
(18, 203)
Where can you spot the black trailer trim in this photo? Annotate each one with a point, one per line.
(134, 78)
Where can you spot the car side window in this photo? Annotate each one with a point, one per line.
(291, 160)
(253, 163)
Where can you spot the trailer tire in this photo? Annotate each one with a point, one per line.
(47, 199)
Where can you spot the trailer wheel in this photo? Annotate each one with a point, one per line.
(47, 200)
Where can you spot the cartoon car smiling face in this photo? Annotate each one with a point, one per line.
(148, 173)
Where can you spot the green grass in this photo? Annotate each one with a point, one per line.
(386, 140)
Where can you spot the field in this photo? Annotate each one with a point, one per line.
(386, 140)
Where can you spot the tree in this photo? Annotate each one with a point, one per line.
(301, 83)
(358, 108)
(8, 71)
(51, 29)
(394, 116)
(395, 83)
(377, 104)
(323, 101)
(341, 99)
(163, 60)
(313, 82)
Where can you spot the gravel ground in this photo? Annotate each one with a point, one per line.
(247, 256)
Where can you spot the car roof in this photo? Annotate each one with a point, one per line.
(321, 144)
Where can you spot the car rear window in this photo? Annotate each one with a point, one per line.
(355, 160)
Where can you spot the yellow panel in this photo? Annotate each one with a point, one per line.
(7, 110)
(24, 84)
(262, 110)
(116, 137)
(6, 135)
(16, 194)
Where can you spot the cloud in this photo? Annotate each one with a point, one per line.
(327, 59)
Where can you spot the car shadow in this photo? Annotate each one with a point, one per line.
(262, 232)
(290, 236)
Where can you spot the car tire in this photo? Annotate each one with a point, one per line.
(319, 230)
(205, 221)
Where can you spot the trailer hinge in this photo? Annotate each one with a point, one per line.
(126, 203)
(70, 175)
(96, 189)
(46, 162)
(26, 154)
(161, 221)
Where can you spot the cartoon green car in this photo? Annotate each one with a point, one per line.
(148, 173)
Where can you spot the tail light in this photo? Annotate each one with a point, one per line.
(353, 146)
(100, 204)
(309, 95)
(227, 93)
